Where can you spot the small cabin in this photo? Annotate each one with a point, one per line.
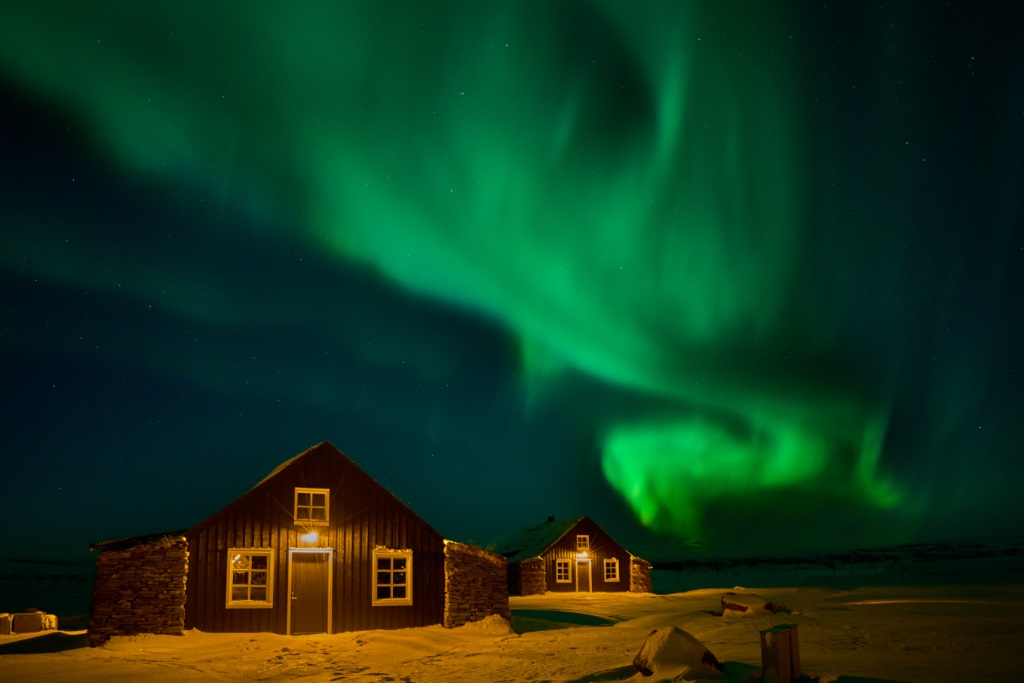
(572, 555)
(317, 546)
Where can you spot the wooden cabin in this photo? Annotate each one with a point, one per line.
(572, 555)
(317, 546)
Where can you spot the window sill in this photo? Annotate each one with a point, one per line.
(249, 605)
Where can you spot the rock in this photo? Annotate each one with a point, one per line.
(5, 624)
(746, 604)
(673, 654)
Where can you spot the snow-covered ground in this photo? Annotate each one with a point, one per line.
(923, 613)
(880, 634)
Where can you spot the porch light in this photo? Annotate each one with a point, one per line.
(311, 537)
(582, 553)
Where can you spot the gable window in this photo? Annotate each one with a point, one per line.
(311, 506)
(582, 542)
(611, 570)
(250, 577)
(562, 574)
(392, 577)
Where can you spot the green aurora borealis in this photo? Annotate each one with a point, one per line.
(688, 206)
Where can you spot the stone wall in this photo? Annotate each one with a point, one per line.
(140, 589)
(475, 584)
(639, 575)
(529, 577)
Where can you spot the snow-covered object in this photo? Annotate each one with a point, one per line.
(672, 654)
(493, 625)
(747, 604)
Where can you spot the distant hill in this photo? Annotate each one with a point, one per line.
(953, 562)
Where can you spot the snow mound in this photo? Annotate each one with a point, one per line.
(672, 654)
(493, 625)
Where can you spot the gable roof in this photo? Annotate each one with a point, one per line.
(324, 449)
(532, 541)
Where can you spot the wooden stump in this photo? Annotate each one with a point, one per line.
(780, 653)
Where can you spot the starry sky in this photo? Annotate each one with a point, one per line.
(728, 277)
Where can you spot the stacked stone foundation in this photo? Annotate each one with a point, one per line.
(475, 585)
(140, 590)
(639, 575)
(529, 577)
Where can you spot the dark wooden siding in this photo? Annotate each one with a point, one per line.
(363, 515)
(602, 547)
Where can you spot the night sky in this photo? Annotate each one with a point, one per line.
(730, 276)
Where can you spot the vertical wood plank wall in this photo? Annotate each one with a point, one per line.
(362, 515)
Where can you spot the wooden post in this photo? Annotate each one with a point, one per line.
(780, 653)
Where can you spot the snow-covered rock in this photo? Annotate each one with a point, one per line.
(672, 654)
(747, 604)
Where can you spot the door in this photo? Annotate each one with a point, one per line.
(583, 576)
(309, 587)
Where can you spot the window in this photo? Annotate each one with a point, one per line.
(562, 574)
(611, 570)
(392, 577)
(582, 542)
(311, 506)
(250, 577)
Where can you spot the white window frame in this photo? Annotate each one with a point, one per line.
(308, 522)
(567, 564)
(582, 542)
(381, 553)
(232, 568)
(611, 563)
